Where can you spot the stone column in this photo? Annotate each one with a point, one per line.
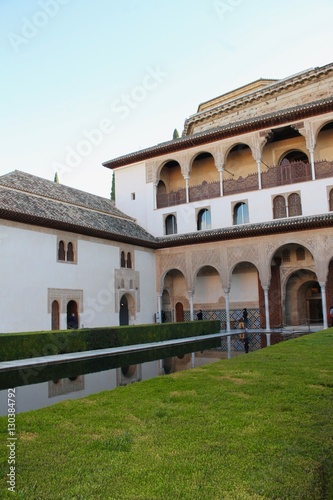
(227, 310)
(159, 306)
(190, 294)
(268, 326)
(229, 346)
(257, 143)
(221, 180)
(219, 158)
(306, 130)
(186, 177)
(259, 173)
(323, 302)
(155, 195)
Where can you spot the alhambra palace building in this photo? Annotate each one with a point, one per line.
(236, 213)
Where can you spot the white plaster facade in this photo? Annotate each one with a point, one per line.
(33, 277)
(236, 213)
(246, 150)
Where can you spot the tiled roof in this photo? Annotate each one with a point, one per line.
(40, 203)
(33, 200)
(42, 187)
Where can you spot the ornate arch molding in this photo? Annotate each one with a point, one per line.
(321, 249)
(247, 253)
(203, 258)
(63, 296)
(317, 125)
(169, 262)
(288, 272)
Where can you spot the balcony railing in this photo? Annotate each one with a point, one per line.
(288, 173)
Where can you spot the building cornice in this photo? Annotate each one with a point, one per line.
(278, 226)
(274, 119)
(266, 92)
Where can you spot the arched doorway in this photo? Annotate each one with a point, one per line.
(303, 303)
(72, 314)
(314, 302)
(179, 312)
(55, 319)
(123, 311)
(166, 307)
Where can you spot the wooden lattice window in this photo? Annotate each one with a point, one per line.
(61, 250)
(279, 207)
(300, 253)
(286, 255)
(122, 260)
(129, 260)
(294, 205)
(70, 252)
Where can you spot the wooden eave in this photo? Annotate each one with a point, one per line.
(270, 120)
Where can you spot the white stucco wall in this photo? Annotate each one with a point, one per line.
(29, 268)
(130, 182)
(314, 199)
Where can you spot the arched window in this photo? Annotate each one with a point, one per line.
(170, 224)
(61, 250)
(70, 252)
(331, 200)
(279, 207)
(122, 259)
(129, 260)
(203, 221)
(300, 253)
(294, 205)
(241, 214)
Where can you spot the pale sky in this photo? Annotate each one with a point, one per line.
(84, 81)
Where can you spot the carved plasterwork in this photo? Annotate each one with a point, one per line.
(127, 281)
(65, 386)
(201, 258)
(167, 262)
(151, 171)
(246, 253)
(63, 296)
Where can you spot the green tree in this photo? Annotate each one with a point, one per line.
(56, 178)
(113, 188)
(175, 134)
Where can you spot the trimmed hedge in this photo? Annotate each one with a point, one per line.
(18, 346)
(36, 344)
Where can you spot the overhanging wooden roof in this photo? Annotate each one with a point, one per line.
(267, 121)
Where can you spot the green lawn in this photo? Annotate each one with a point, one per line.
(259, 426)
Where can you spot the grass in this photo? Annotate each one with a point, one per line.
(259, 426)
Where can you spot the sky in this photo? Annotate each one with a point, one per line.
(86, 81)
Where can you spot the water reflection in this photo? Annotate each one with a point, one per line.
(32, 397)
